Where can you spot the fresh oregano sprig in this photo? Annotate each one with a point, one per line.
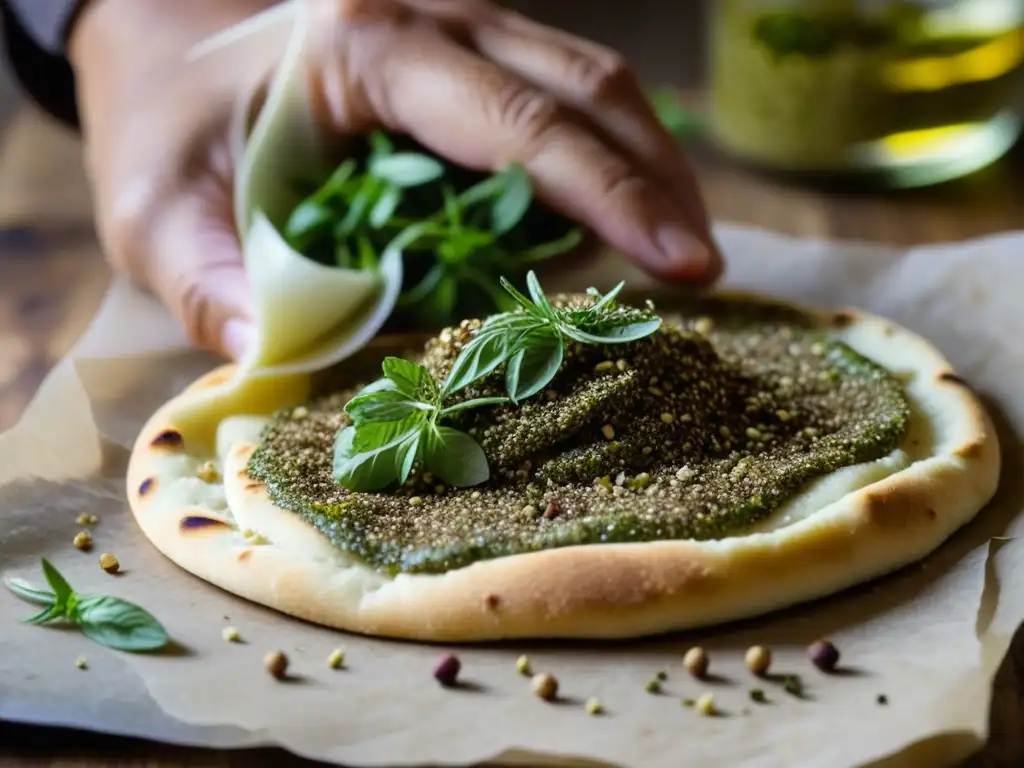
(530, 342)
(107, 620)
(396, 420)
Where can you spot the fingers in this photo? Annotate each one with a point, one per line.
(193, 264)
(491, 117)
(599, 83)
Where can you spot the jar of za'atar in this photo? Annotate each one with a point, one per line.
(912, 91)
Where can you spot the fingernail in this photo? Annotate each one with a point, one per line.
(681, 249)
(237, 337)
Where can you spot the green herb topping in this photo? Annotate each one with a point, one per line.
(458, 230)
(697, 430)
(109, 621)
(396, 419)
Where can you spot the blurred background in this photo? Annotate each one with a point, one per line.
(807, 118)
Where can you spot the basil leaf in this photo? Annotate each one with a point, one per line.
(412, 379)
(370, 436)
(380, 385)
(26, 591)
(478, 358)
(46, 615)
(61, 589)
(384, 406)
(510, 207)
(405, 456)
(406, 169)
(309, 217)
(371, 469)
(534, 365)
(613, 334)
(457, 458)
(385, 207)
(476, 402)
(118, 624)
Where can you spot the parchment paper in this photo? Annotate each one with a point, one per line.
(929, 637)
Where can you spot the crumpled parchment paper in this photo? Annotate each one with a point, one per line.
(929, 637)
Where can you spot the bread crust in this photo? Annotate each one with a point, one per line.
(594, 591)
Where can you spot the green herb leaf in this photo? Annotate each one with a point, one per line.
(607, 301)
(385, 406)
(457, 458)
(61, 589)
(406, 455)
(537, 294)
(308, 217)
(514, 201)
(480, 357)
(26, 591)
(411, 379)
(385, 206)
(118, 624)
(614, 334)
(476, 402)
(357, 208)
(371, 457)
(335, 186)
(521, 300)
(534, 365)
(46, 615)
(406, 169)
(545, 251)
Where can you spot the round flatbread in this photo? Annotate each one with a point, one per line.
(191, 494)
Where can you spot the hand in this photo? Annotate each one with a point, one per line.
(473, 82)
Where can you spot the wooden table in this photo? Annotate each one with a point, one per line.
(52, 279)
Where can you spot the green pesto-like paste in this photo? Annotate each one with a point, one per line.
(697, 431)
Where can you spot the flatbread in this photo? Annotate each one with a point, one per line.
(852, 526)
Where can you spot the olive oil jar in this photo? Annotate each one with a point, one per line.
(910, 92)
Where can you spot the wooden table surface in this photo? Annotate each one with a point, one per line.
(52, 279)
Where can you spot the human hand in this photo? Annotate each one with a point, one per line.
(475, 83)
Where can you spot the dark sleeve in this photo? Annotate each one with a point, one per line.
(35, 33)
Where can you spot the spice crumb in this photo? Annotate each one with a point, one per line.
(523, 665)
(415, 501)
(230, 634)
(86, 519)
(594, 706)
(299, 413)
(662, 675)
(545, 686)
(446, 671)
(109, 563)
(824, 655)
(706, 704)
(758, 658)
(608, 431)
(83, 541)
(81, 663)
(793, 685)
(756, 694)
(689, 702)
(276, 663)
(696, 661)
(207, 472)
(882, 699)
(653, 686)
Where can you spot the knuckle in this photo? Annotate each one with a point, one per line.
(603, 77)
(620, 183)
(195, 309)
(530, 114)
(129, 218)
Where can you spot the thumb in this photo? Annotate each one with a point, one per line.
(197, 271)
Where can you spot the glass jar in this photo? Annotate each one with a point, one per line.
(917, 91)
